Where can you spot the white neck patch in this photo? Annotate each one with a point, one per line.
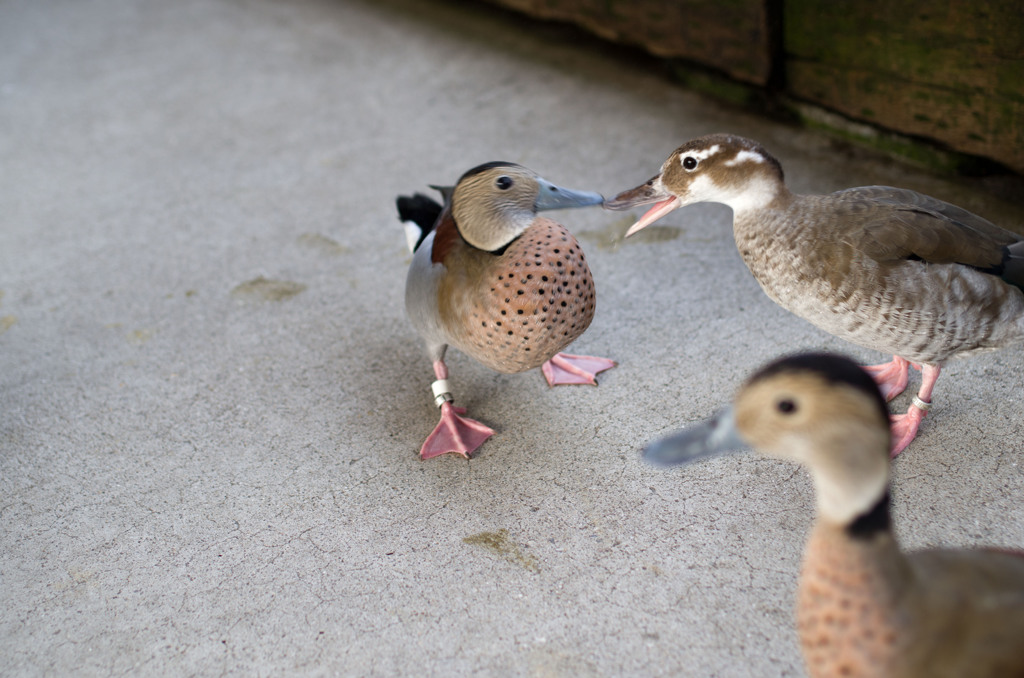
(757, 194)
(745, 156)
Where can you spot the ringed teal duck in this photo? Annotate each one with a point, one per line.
(865, 608)
(886, 268)
(507, 287)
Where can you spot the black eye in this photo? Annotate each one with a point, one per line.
(503, 182)
(786, 406)
(689, 163)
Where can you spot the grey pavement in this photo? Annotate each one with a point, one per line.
(211, 401)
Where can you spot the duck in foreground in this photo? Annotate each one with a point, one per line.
(886, 268)
(501, 284)
(864, 608)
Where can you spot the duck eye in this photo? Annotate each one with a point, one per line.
(786, 406)
(689, 163)
(503, 182)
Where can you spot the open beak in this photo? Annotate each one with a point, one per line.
(652, 191)
(714, 437)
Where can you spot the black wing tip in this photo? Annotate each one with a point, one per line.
(419, 209)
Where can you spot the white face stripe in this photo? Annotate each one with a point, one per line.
(745, 156)
(699, 155)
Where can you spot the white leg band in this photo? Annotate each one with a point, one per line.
(442, 392)
(920, 404)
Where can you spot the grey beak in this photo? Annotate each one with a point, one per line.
(644, 194)
(552, 197)
(715, 436)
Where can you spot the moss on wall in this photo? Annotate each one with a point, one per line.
(732, 36)
(951, 71)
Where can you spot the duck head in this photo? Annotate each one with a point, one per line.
(716, 168)
(492, 204)
(819, 410)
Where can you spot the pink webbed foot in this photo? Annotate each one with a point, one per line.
(460, 435)
(891, 377)
(903, 428)
(564, 368)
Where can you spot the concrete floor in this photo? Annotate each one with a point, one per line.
(211, 402)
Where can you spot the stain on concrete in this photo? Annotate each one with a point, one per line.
(322, 243)
(654, 569)
(499, 544)
(611, 237)
(78, 584)
(547, 661)
(140, 336)
(7, 322)
(266, 289)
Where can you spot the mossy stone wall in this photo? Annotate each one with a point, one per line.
(948, 71)
(731, 35)
(951, 72)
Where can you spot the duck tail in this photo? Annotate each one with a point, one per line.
(1013, 265)
(418, 214)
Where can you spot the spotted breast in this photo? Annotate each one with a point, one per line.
(539, 299)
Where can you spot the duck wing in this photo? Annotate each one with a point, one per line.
(971, 613)
(898, 224)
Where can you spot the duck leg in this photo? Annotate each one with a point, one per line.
(891, 377)
(460, 435)
(565, 368)
(904, 426)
